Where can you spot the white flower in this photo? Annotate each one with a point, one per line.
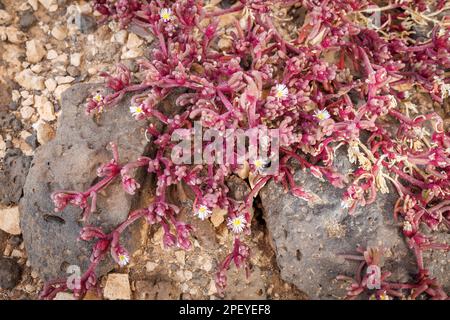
(322, 114)
(123, 259)
(281, 91)
(407, 226)
(98, 97)
(260, 165)
(137, 110)
(237, 224)
(166, 14)
(203, 212)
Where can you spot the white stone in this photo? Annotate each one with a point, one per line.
(29, 101)
(44, 108)
(5, 17)
(117, 287)
(50, 5)
(24, 134)
(218, 216)
(59, 33)
(10, 220)
(52, 54)
(75, 59)
(59, 90)
(35, 51)
(212, 288)
(120, 36)
(134, 41)
(50, 84)
(15, 36)
(33, 4)
(2, 147)
(180, 255)
(16, 253)
(29, 80)
(62, 58)
(15, 95)
(36, 68)
(132, 53)
(64, 80)
(64, 296)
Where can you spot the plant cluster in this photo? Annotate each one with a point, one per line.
(328, 74)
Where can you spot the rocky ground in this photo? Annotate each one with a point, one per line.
(47, 47)
(51, 54)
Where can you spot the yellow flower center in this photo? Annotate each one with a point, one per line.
(98, 98)
(258, 163)
(237, 222)
(321, 116)
(165, 15)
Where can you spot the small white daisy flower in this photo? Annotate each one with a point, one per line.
(281, 91)
(137, 110)
(166, 14)
(260, 165)
(98, 97)
(237, 224)
(322, 114)
(123, 259)
(203, 212)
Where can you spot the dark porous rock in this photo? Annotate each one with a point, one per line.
(73, 71)
(32, 140)
(225, 4)
(10, 273)
(437, 262)
(239, 189)
(5, 93)
(8, 122)
(27, 20)
(310, 238)
(86, 24)
(69, 162)
(157, 289)
(12, 177)
(3, 240)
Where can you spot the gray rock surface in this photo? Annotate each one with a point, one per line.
(8, 122)
(13, 175)
(69, 162)
(309, 238)
(438, 261)
(10, 273)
